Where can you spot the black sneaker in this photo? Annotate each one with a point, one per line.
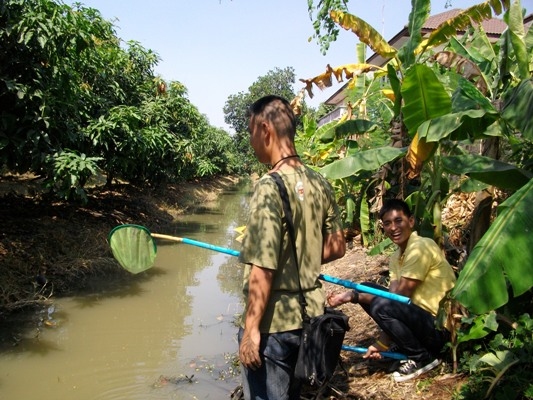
(410, 369)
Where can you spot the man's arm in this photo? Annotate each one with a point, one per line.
(259, 285)
(405, 287)
(334, 246)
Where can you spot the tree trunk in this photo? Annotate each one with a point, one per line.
(480, 222)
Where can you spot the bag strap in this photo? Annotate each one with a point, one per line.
(292, 234)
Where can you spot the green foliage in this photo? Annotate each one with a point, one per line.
(500, 258)
(503, 369)
(68, 82)
(69, 173)
(447, 100)
(326, 31)
(439, 102)
(278, 82)
(425, 97)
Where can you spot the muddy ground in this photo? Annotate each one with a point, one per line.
(50, 248)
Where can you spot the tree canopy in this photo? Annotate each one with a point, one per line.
(278, 82)
(76, 101)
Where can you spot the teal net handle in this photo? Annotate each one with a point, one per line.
(231, 252)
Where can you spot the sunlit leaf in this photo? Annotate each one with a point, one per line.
(515, 23)
(354, 127)
(418, 15)
(481, 326)
(419, 152)
(365, 32)
(465, 125)
(380, 247)
(477, 13)
(369, 160)
(364, 219)
(389, 94)
(350, 210)
(424, 96)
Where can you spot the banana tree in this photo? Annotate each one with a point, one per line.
(441, 104)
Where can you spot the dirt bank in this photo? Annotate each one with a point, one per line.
(49, 247)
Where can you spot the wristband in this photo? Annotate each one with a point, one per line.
(382, 345)
(355, 298)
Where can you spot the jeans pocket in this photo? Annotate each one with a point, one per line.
(281, 345)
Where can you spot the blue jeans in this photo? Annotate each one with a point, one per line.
(274, 380)
(410, 327)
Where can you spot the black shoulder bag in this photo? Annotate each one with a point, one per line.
(322, 336)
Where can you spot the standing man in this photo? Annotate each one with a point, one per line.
(269, 336)
(418, 270)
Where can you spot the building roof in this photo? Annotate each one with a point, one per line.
(493, 26)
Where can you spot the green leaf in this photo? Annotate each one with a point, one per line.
(515, 22)
(369, 160)
(350, 209)
(518, 108)
(502, 256)
(396, 88)
(418, 15)
(326, 133)
(364, 218)
(472, 185)
(366, 33)
(381, 247)
(457, 126)
(424, 96)
(481, 327)
(354, 127)
(487, 170)
(467, 96)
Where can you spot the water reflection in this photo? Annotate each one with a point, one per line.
(166, 333)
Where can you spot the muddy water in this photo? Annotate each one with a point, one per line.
(167, 333)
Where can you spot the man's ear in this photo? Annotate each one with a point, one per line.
(412, 221)
(267, 132)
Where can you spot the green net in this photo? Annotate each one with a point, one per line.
(133, 247)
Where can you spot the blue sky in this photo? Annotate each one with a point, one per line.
(217, 48)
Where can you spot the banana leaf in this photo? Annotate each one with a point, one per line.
(516, 34)
(464, 125)
(424, 96)
(354, 127)
(369, 160)
(502, 257)
(518, 108)
(487, 170)
(475, 14)
(417, 17)
(364, 32)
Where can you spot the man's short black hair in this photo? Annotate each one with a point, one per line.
(276, 110)
(395, 204)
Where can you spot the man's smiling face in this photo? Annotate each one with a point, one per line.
(398, 227)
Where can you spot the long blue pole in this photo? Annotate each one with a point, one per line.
(326, 278)
(363, 350)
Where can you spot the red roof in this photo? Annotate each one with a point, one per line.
(493, 26)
